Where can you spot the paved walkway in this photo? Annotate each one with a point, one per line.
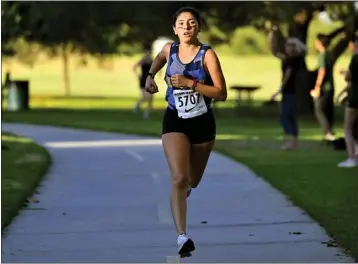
(106, 200)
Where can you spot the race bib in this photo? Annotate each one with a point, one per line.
(189, 103)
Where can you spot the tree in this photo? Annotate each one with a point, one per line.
(99, 28)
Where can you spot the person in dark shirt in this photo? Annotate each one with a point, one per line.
(323, 91)
(351, 113)
(144, 64)
(291, 65)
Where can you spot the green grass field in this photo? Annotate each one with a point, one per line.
(309, 177)
(116, 78)
(24, 163)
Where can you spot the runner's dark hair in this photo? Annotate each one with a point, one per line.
(191, 10)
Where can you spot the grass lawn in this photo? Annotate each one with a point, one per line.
(24, 163)
(309, 177)
(118, 80)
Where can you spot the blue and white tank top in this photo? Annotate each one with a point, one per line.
(187, 102)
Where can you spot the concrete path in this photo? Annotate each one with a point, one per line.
(106, 200)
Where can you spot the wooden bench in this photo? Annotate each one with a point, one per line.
(249, 90)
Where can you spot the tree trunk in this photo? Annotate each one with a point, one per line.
(276, 40)
(3, 87)
(66, 73)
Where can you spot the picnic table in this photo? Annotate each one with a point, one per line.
(249, 90)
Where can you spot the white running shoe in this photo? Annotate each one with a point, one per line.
(185, 245)
(348, 163)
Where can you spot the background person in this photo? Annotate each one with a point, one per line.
(351, 113)
(324, 89)
(292, 62)
(144, 65)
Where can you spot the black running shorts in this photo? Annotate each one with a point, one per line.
(198, 129)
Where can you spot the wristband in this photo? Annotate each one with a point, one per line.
(151, 75)
(195, 83)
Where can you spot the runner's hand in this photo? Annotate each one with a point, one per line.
(150, 85)
(180, 81)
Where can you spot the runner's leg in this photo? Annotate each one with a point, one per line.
(177, 150)
(199, 157)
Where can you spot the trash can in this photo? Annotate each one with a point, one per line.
(18, 95)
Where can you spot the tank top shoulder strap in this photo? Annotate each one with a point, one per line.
(203, 49)
(173, 50)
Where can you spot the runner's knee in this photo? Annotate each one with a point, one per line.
(180, 181)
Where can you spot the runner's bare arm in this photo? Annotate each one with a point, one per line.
(213, 67)
(161, 59)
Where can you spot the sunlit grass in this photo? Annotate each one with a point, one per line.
(233, 137)
(314, 137)
(9, 138)
(118, 80)
(24, 163)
